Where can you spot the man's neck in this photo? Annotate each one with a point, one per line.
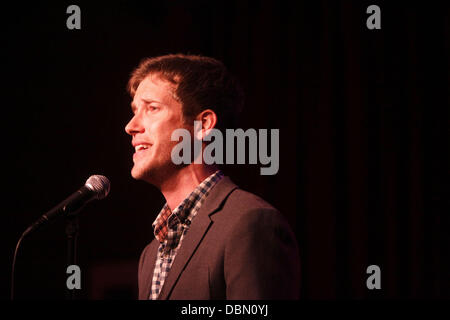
(183, 182)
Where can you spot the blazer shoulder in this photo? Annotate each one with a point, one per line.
(243, 209)
(244, 202)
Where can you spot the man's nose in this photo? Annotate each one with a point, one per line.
(134, 126)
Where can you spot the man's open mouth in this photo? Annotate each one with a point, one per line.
(140, 147)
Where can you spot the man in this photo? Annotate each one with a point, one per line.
(212, 239)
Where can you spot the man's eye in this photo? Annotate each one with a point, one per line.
(152, 108)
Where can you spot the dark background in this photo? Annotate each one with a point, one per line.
(363, 118)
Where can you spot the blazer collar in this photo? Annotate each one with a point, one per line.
(198, 229)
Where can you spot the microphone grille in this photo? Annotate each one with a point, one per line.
(98, 184)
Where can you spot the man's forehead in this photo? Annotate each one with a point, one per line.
(154, 88)
(153, 85)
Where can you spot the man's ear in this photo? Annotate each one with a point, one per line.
(208, 119)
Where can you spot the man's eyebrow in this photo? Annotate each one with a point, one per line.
(146, 101)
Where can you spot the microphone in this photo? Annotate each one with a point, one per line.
(96, 187)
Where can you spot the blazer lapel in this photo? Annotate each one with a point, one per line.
(149, 267)
(194, 236)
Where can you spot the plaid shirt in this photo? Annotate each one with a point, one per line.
(176, 224)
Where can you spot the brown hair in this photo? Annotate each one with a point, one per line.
(201, 83)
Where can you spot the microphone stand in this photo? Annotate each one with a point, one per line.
(72, 227)
(96, 187)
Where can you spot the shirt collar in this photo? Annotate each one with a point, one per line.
(187, 209)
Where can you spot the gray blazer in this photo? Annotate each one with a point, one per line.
(238, 247)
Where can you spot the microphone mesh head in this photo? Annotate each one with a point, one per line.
(99, 184)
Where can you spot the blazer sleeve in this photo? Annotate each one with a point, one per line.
(261, 258)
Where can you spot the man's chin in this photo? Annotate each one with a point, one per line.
(154, 174)
(138, 173)
(147, 174)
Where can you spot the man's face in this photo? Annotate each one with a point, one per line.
(156, 115)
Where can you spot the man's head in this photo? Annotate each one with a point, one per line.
(170, 92)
